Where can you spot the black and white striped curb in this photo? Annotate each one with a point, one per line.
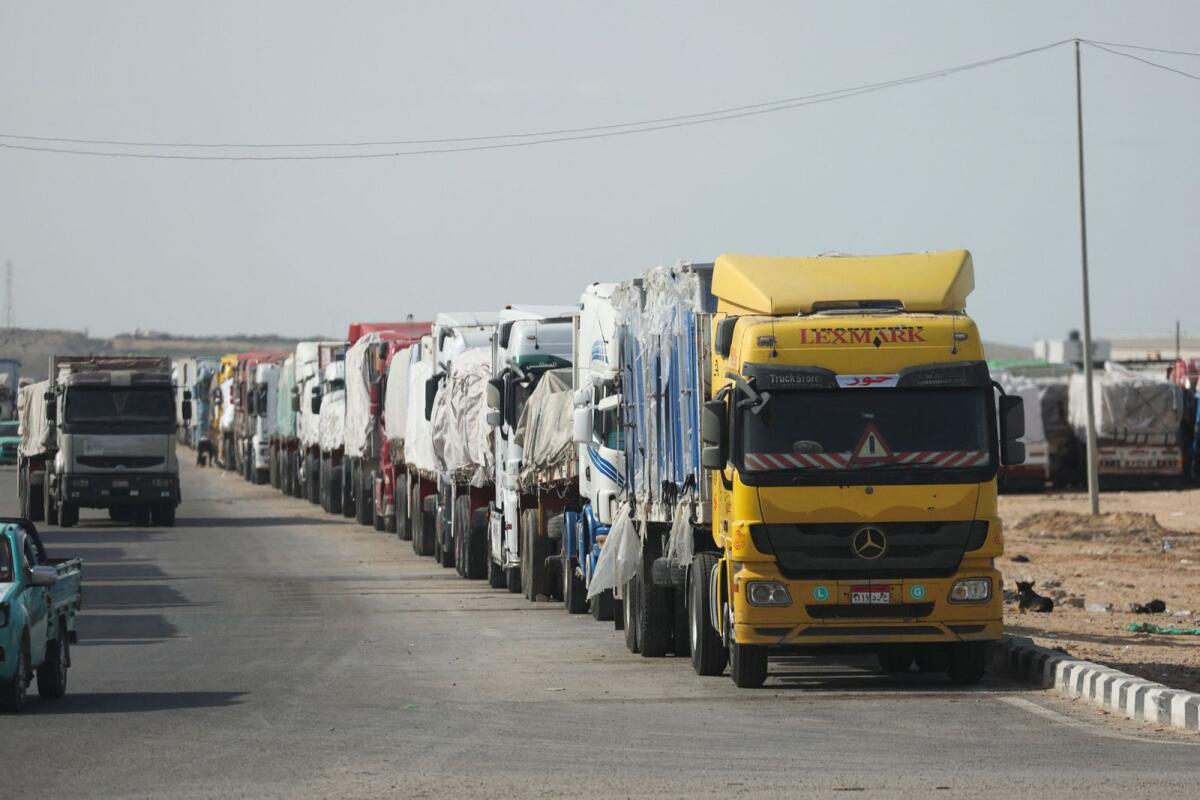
(1136, 698)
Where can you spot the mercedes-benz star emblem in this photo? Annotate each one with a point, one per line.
(869, 543)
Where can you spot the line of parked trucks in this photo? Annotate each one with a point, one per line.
(722, 459)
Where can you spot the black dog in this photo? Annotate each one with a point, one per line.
(1029, 600)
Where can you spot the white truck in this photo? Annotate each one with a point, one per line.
(332, 488)
(304, 449)
(262, 397)
(100, 433)
(529, 343)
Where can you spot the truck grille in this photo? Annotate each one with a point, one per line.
(824, 550)
(114, 462)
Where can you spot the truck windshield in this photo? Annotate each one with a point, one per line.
(855, 435)
(125, 405)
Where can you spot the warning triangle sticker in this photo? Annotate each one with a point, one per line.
(871, 447)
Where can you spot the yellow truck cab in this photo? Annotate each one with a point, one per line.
(853, 438)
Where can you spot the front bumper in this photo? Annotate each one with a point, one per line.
(822, 612)
(107, 490)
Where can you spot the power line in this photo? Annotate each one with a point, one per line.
(538, 137)
(1143, 47)
(1146, 61)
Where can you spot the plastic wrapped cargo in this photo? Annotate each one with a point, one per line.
(359, 422)
(332, 423)
(285, 415)
(395, 398)
(461, 435)
(227, 408)
(32, 426)
(1130, 407)
(418, 433)
(1031, 393)
(545, 432)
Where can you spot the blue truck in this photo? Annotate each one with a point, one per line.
(40, 598)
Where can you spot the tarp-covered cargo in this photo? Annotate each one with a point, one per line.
(545, 432)
(32, 425)
(359, 422)
(461, 434)
(395, 399)
(285, 414)
(1130, 407)
(227, 408)
(418, 433)
(332, 423)
(1031, 393)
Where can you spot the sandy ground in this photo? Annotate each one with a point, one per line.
(1144, 546)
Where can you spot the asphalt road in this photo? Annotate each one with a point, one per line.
(263, 649)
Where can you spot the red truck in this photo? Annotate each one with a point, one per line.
(368, 457)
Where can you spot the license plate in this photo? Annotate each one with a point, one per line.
(870, 595)
(120, 484)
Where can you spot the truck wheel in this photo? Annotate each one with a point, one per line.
(348, 488)
(681, 638)
(400, 498)
(51, 509)
(68, 515)
(423, 537)
(748, 665)
(141, 515)
(630, 616)
(297, 476)
(709, 654)
(324, 475)
(363, 500)
(655, 610)
(52, 674)
(12, 691)
(120, 514)
(968, 661)
(477, 558)
(533, 557)
(273, 469)
(311, 473)
(895, 659)
(459, 530)
(35, 497)
(932, 658)
(495, 572)
(512, 579)
(618, 614)
(377, 518)
(163, 514)
(601, 606)
(574, 592)
(334, 488)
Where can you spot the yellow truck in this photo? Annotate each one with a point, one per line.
(852, 435)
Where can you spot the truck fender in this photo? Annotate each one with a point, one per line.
(716, 592)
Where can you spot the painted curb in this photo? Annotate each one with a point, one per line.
(1136, 698)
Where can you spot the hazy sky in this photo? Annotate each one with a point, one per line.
(983, 160)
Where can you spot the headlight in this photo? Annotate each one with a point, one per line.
(767, 593)
(971, 590)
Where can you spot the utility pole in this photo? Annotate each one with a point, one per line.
(1093, 478)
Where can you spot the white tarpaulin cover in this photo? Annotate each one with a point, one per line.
(545, 432)
(461, 434)
(359, 423)
(285, 415)
(395, 398)
(418, 433)
(31, 415)
(227, 409)
(620, 555)
(1031, 393)
(332, 423)
(1130, 406)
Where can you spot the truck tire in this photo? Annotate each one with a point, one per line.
(460, 515)
(141, 515)
(968, 662)
(709, 654)
(574, 592)
(656, 615)
(630, 616)
(601, 606)
(12, 691)
(363, 501)
(681, 640)
(932, 658)
(297, 475)
(312, 481)
(163, 514)
(618, 614)
(120, 514)
(895, 659)
(35, 492)
(377, 518)
(273, 469)
(68, 515)
(52, 674)
(400, 498)
(348, 489)
(533, 558)
(476, 545)
(445, 537)
(334, 488)
(748, 665)
(324, 475)
(426, 534)
(495, 572)
(512, 579)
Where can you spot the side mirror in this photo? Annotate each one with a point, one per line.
(187, 408)
(187, 394)
(715, 435)
(316, 401)
(51, 407)
(295, 400)
(261, 401)
(1012, 428)
(495, 394)
(582, 423)
(431, 389)
(494, 418)
(723, 341)
(252, 404)
(43, 576)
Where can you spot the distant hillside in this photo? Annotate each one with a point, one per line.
(33, 347)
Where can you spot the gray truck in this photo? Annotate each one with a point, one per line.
(100, 433)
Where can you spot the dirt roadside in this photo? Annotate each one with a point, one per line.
(1144, 546)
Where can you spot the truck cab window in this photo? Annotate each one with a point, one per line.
(6, 562)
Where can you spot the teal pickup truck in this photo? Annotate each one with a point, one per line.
(39, 600)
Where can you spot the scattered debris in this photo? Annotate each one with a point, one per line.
(1050, 583)
(1099, 608)
(1150, 627)
(1019, 559)
(1073, 602)
(1153, 607)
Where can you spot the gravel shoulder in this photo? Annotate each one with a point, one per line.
(1144, 546)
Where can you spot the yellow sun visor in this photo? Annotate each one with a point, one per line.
(767, 285)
